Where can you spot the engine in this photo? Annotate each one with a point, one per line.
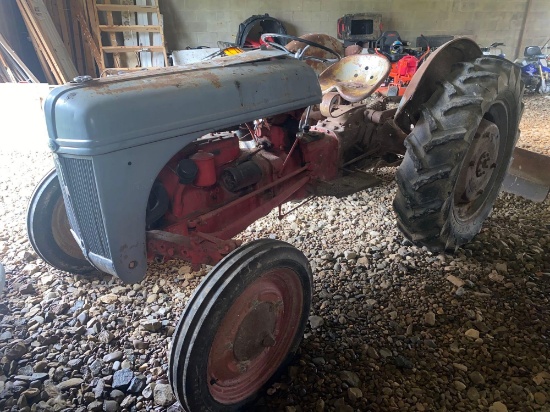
(224, 181)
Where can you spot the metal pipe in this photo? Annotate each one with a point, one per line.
(288, 156)
(523, 26)
(204, 218)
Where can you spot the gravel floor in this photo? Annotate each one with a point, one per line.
(393, 327)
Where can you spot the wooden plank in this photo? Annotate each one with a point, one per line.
(88, 37)
(65, 34)
(130, 38)
(112, 37)
(9, 51)
(135, 28)
(52, 9)
(131, 69)
(126, 7)
(9, 76)
(51, 38)
(78, 47)
(118, 70)
(163, 42)
(50, 77)
(43, 52)
(145, 58)
(127, 49)
(95, 39)
(89, 58)
(4, 78)
(156, 19)
(94, 21)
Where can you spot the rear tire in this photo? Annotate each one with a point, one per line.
(458, 154)
(49, 231)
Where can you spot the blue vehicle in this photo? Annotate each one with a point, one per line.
(534, 70)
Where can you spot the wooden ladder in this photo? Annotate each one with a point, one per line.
(131, 46)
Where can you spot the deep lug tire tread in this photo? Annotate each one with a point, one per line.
(438, 144)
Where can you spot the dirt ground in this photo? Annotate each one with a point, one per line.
(535, 124)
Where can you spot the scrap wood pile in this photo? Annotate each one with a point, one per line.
(12, 69)
(91, 37)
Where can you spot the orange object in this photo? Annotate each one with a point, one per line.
(206, 164)
(400, 76)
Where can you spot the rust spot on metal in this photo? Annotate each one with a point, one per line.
(215, 80)
(435, 68)
(324, 40)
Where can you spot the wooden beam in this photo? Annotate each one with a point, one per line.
(88, 37)
(78, 47)
(138, 28)
(9, 51)
(126, 7)
(6, 69)
(94, 22)
(65, 34)
(126, 49)
(46, 68)
(50, 37)
(43, 52)
(146, 59)
(522, 30)
(130, 37)
(112, 36)
(92, 56)
(158, 59)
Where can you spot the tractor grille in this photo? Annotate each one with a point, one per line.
(82, 203)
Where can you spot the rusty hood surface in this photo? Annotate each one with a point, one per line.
(115, 113)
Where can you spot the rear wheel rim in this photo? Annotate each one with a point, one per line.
(482, 163)
(255, 336)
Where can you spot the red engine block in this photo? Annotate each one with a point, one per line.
(232, 187)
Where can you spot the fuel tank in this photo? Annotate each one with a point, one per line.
(111, 137)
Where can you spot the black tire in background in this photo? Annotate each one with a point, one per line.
(49, 231)
(458, 154)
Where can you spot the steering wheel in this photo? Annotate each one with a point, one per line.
(290, 37)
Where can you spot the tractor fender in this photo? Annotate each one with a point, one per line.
(430, 73)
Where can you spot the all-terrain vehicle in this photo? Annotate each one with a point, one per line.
(173, 164)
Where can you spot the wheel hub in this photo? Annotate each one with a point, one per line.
(254, 336)
(256, 332)
(479, 165)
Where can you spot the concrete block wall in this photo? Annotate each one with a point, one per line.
(192, 23)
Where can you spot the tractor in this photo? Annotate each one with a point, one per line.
(172, 164)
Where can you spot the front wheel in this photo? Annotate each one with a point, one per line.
(49, 231)
(458, 154)
(241, 327)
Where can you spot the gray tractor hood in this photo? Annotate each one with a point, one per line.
(114, 113)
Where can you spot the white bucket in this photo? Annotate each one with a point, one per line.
(183, 57)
